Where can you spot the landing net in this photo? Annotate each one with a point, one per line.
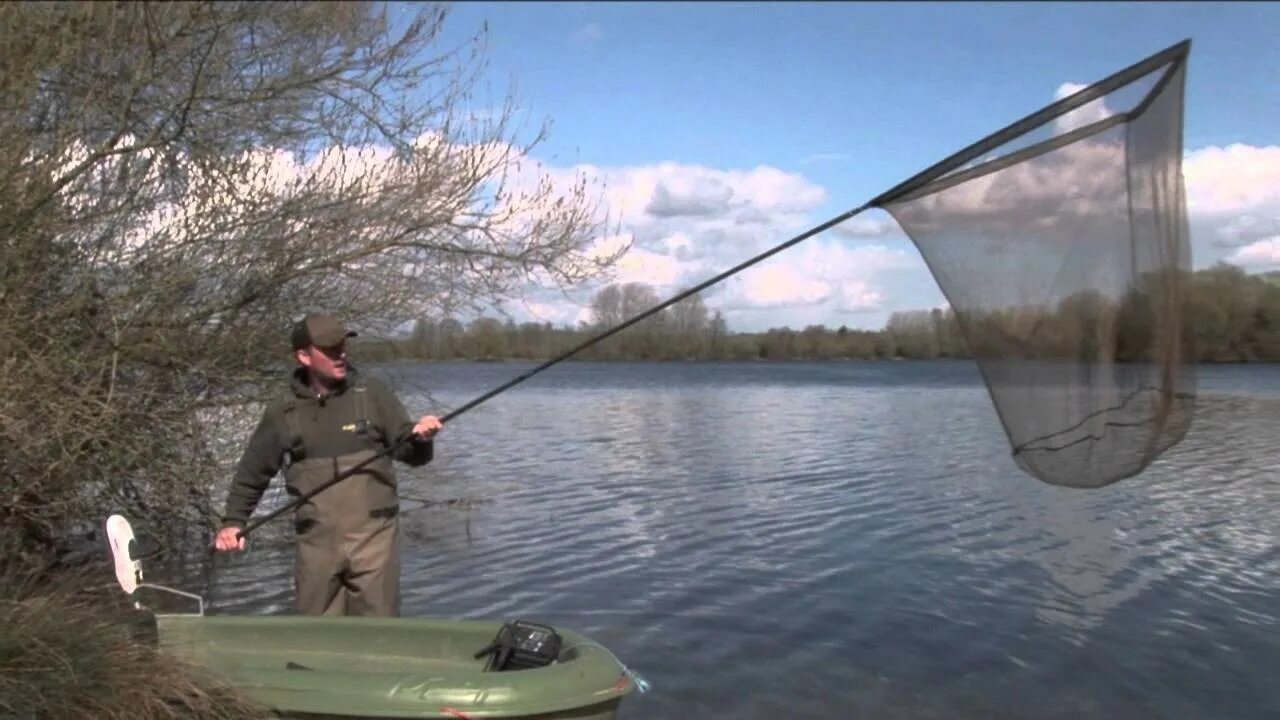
(1062, 246)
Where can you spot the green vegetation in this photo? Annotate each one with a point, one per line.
(1231, 316)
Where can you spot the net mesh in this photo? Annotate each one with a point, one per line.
(1065, 256)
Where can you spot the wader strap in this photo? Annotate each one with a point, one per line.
(362, 419)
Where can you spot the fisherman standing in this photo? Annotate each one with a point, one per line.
(328, 420)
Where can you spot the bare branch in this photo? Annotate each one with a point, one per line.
(181, 181)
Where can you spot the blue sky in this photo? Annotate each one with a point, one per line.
(809, 109)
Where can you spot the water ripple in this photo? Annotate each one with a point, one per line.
(840, 540)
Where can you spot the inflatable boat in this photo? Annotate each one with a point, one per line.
(348, 667)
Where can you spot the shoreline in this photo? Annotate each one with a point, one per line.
(778, 361)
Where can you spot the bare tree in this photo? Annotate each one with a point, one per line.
(606, 306)
(689, 327)
(182, 180)
(616, 303)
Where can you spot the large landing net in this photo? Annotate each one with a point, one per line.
(1061, 244)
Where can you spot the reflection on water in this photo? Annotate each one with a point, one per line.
(831, 540)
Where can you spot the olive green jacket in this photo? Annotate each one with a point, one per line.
(300, 424)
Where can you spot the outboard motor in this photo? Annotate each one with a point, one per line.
(521, 645)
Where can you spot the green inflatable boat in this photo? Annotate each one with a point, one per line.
(327, 668)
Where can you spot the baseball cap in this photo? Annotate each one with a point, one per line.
(320, 330)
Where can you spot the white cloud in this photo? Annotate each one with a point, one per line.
(691, 222)
(647, 194)
(1237, 178)
(651, 268)
(843, 278)
(769, 188)
(858, 296)
(1263, 254)
(1067, 89)
(1233, 199)
(1237, 228)
(1086, 114)
(687, 222)
(1083, 181)
(778, 286)
(1074, 200)
(873, 223)
(678, 242)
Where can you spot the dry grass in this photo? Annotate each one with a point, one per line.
(71, 648)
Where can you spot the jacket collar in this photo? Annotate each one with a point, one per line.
(300, 383)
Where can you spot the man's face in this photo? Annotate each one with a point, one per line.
(328, 364)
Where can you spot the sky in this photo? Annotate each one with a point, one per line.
(723, 129)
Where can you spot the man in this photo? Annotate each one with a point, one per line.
(329, 420)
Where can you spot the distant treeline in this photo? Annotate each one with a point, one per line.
(1231, 316)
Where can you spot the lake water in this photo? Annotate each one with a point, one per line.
(839, 540)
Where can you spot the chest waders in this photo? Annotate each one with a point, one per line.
(347, 537)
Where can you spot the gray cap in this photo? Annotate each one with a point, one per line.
(319, 330)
